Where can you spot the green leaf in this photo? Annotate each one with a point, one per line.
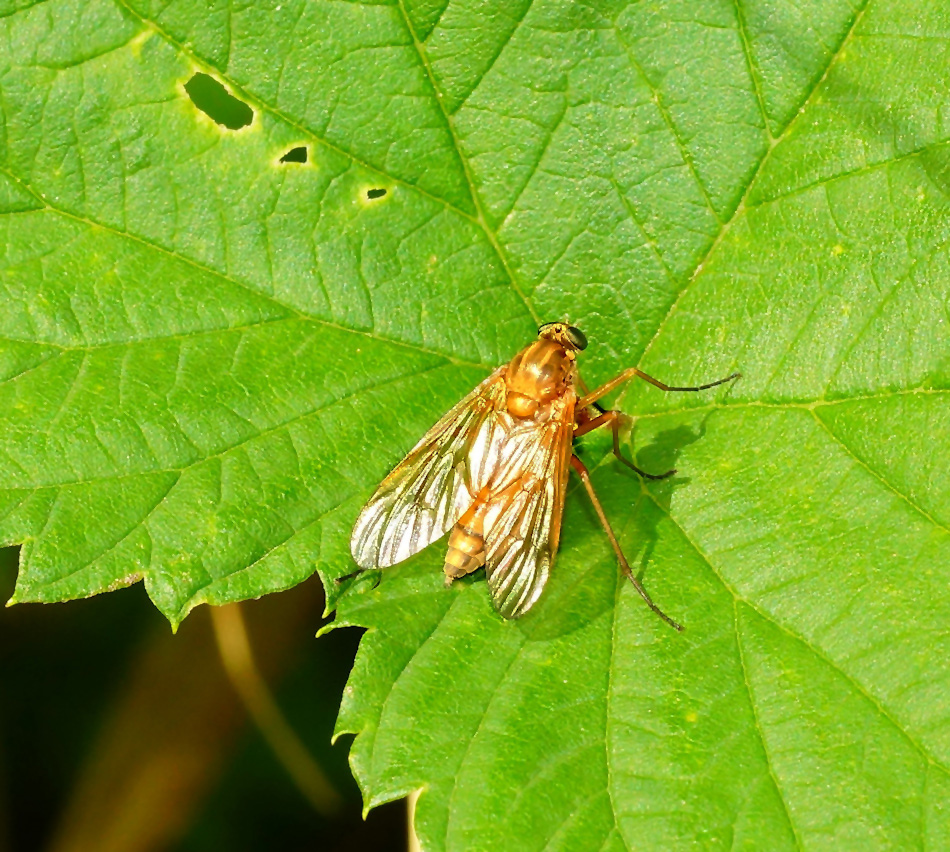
(211, 352)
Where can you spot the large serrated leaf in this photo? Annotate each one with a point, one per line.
(210, 356)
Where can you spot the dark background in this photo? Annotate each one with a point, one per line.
(118, 736)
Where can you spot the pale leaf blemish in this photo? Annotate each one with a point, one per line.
(124, 582)
(137, 43)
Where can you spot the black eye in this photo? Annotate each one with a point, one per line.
(577, 337)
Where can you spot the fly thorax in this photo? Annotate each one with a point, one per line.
(536, 376)
(521, 406)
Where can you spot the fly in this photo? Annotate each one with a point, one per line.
(493, 473)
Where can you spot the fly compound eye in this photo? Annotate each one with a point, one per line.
(576, 337)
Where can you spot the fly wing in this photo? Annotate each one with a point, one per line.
(522, 531)
(432, 487)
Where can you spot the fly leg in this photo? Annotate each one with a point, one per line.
(612, 419)
(578, 466)
(626, 375)
(379, 575)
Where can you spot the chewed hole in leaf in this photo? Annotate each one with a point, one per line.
(373, 194)
(295, 155)
(218, 103)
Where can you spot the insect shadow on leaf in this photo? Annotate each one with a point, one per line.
(665, 448)
(376, 193)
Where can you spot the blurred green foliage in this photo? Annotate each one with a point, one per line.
(116, 735)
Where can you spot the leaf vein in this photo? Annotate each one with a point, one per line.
(480, 219)
(754, 72)
(741, 208)
(134, 528)
(818, 652)
(758, 725)
(199, 597)
(298, 418)
(668, 121)
(412, 658)
(880, 477)
(501, 48)
(264, 106)
(471, 740)
(861, 170)
(243, 285)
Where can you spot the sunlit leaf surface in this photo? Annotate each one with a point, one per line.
(212, 350)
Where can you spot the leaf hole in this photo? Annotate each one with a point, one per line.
(373, 194)
(295, 155)
(218, 103)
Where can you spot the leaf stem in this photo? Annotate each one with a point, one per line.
(234, 646)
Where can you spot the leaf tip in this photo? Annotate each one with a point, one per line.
(342, 732)
(326, 628)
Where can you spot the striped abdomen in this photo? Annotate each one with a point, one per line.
(466, 544)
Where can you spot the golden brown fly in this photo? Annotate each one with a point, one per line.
(494, 469)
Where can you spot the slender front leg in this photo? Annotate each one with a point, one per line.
(578, 466)
(612, 419)
(379, 575)
(629, 373)
(582, 386)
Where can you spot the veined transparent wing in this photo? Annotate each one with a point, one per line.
(523, 528)
(431, 488)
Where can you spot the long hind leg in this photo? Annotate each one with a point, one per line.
(582, 471)
(612, 419)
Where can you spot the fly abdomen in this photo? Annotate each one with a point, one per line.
(466, 552)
